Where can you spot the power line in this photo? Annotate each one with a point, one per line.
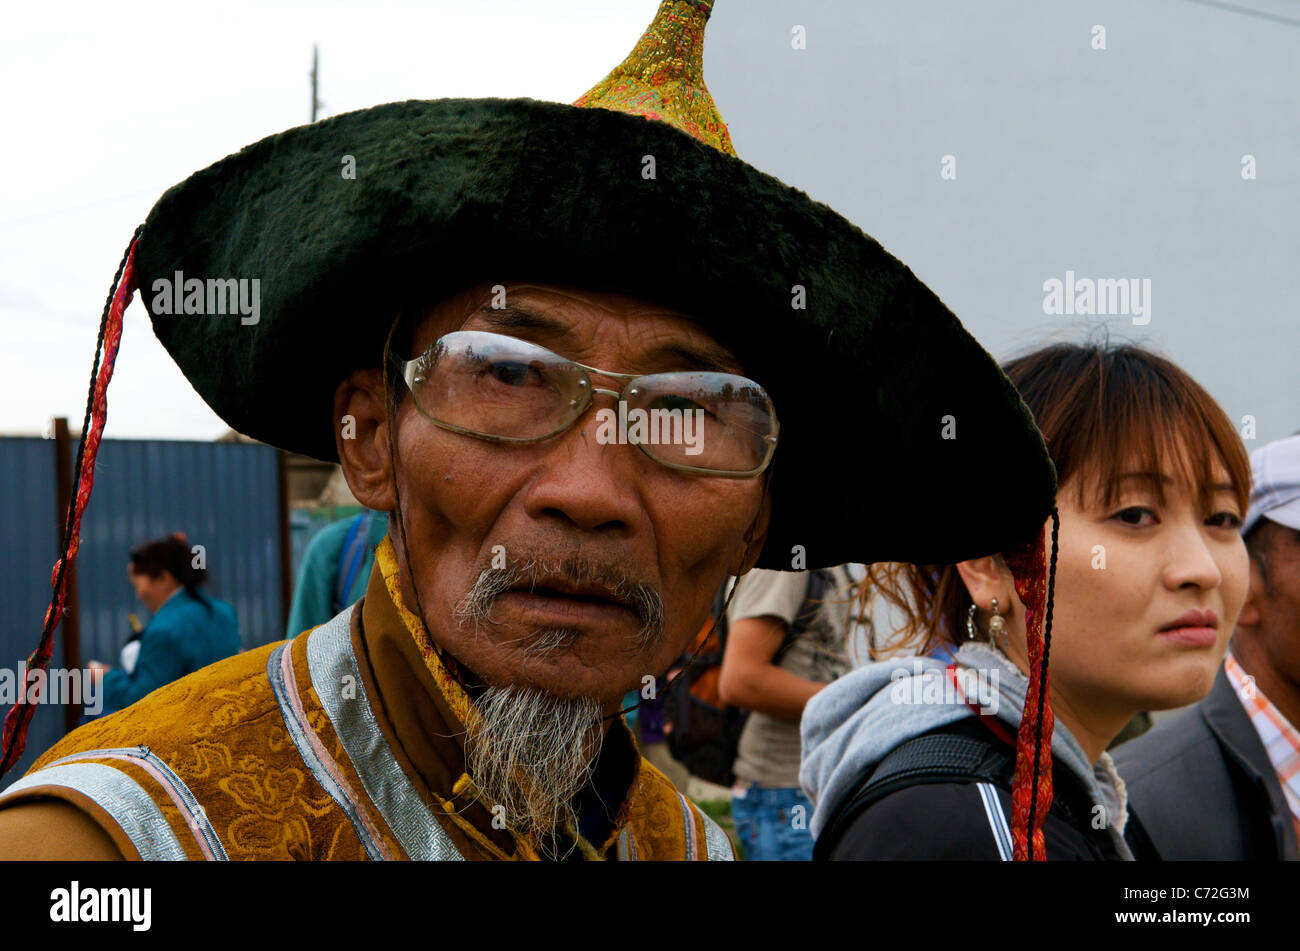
(84, 206)
(1248, 11)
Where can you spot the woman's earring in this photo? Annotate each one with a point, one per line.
(997, 626)
(971, 633)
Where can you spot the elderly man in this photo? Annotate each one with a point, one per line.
(551, 341)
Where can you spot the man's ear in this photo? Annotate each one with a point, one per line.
(1250, 615)
(744, 560)
(361, 439)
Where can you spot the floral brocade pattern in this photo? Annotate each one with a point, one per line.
(663, 77)
(221, 730)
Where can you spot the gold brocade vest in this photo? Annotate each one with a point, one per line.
(343, 743)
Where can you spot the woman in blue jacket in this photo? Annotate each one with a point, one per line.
(188, 630)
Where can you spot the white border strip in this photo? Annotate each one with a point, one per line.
(997, 819)
(121, 797)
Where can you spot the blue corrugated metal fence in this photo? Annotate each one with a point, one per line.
(223, 496)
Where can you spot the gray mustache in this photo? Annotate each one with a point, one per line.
(642, 599)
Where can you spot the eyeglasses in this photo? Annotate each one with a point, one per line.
(507, 390)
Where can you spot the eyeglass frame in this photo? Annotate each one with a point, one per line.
(771, 440)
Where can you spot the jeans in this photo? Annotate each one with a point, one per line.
(772, 824)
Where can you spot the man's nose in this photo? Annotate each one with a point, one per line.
(590, 485)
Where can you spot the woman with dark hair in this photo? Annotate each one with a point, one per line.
(188, 630)
(915, 758)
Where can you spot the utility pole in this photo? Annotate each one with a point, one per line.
(71, 633)
(315, 102)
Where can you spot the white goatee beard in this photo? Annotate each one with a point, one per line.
(531, 752)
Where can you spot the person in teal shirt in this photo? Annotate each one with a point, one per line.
(188, 629)
(335, 569)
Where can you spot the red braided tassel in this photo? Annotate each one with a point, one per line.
(20, 715)
(1031, 795)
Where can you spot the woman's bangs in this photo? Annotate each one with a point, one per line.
(1157, 429)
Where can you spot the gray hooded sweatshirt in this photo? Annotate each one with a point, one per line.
(849, 726)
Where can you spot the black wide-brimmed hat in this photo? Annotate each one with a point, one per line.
(900, 437)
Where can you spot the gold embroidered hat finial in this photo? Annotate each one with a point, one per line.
(663, 77)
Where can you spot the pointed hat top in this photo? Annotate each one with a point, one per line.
(663, 77)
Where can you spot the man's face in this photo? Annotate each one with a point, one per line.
(1271, 619)
(576, 514)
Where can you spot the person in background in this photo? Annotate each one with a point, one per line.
(1222, 780)
(647, 719)
(187, 631)
(335, 569)
(787, 638)
(915, 759)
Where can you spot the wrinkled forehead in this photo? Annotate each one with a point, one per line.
(581, 324)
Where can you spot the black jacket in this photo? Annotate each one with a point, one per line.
(1204, 785)
(949, 820)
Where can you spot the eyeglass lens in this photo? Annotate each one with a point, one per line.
(503, 387)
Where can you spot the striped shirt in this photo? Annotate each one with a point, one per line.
(1281, 739)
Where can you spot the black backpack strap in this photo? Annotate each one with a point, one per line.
(941, 757)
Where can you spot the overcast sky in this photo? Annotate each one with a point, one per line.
(1123, 162)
